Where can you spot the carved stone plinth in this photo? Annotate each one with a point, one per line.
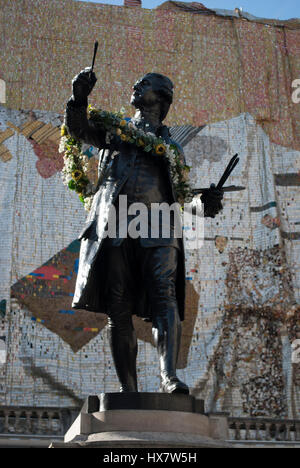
(144, 420)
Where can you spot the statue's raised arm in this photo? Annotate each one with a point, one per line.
(78, 125)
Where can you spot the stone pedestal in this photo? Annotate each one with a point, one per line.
(144, 420)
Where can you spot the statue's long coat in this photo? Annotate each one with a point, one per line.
(113, 173)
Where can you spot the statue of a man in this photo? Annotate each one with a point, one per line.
(122, 276)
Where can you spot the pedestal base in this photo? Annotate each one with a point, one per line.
(144, 420)
(131, 439)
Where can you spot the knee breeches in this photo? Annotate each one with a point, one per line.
(130, 267)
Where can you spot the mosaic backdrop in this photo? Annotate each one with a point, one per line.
(233, 85)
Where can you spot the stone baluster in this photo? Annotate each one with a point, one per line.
(277, 431)
(297, 431)
(54, 423)
(284, 431)
(289, 429)
(39, 429)
(60, 424)
(257, 431)
(11, 421)
(23, 422)
(49, 428)
(237, 431)
(32, 423)
(247, 433)
(268, 431)
(6, 415)
(282, 428)
(44, 422)
(17, 421)
(28, 429)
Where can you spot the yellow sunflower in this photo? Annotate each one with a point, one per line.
(124, 137)
(77, 174)
(160, 149)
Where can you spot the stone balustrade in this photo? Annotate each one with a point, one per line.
(55, 422)
(264, 429)
(35, 421)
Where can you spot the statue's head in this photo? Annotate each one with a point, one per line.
(151, 89)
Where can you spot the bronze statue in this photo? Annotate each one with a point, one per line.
(126, 276)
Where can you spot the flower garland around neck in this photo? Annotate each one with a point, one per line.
(75, 170)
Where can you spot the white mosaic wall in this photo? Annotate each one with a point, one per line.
(39, 217)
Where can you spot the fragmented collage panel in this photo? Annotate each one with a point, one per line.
(242, 308)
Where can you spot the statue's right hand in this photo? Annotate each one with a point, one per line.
(83, 84)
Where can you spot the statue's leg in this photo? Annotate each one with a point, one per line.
(123, 344)
(122, 336)
(160, 271)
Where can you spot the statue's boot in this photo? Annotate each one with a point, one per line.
(166, 332)
(123, 344)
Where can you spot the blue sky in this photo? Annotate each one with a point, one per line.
(280, 9)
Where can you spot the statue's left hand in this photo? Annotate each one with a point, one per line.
(211, 199)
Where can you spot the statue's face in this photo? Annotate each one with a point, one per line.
(144, 92)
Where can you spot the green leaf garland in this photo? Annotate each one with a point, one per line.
(74, 172)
